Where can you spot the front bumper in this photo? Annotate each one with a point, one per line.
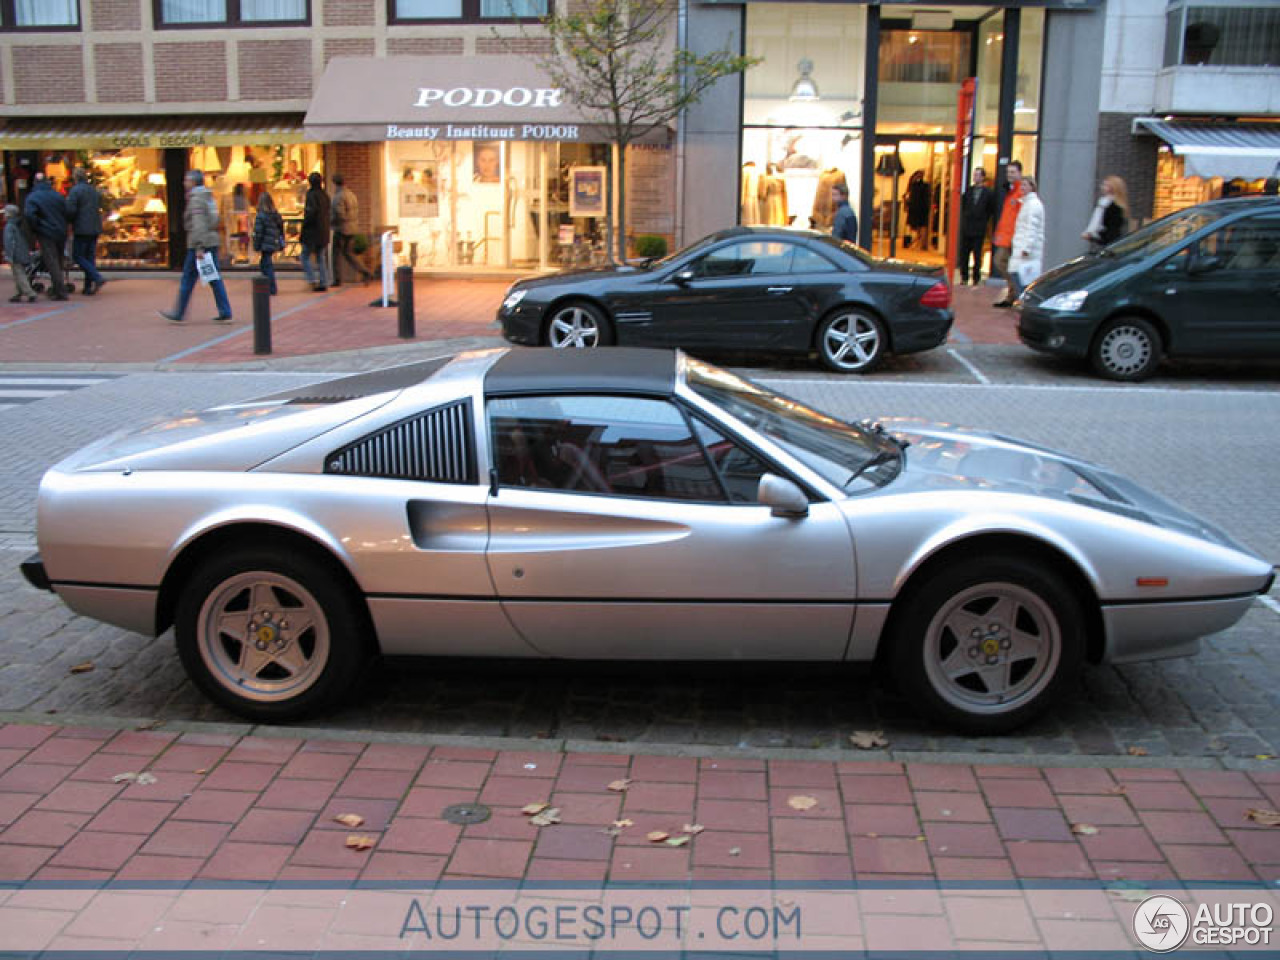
(523, 324)
(1065, 334)
(33, 569)
(1156, 631)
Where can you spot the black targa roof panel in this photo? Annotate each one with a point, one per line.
(361, 384)
(608, 370)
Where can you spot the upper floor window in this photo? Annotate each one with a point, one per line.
(199, 13)
(1219, 34)
(412, 11)
(39, 14)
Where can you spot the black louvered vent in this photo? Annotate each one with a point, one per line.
(434, 446)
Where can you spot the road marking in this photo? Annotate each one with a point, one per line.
(17, 389)
(978, 374)
(1270, 604)
(32, 394)
(37, 380)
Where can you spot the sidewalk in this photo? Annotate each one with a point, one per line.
(1066, 851)
(121, 324)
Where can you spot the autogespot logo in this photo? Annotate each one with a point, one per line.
(1161, 924)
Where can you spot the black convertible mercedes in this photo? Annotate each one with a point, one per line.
(746, 288)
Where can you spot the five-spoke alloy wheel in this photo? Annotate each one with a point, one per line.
(578, 325)
(269, 637)
(851, 341)
(988, 645)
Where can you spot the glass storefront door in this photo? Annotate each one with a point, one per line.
(912, 198)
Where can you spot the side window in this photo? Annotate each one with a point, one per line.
(435, 447)
(618, 446)
(807, 261)
(746, 258)
(740, 469)
(1251, 245)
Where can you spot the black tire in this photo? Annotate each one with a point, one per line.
(333, 649)
(851, 341)
(1126, 348)
(578, 324)
(982, 599)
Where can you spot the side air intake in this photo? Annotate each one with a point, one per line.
(435, 446)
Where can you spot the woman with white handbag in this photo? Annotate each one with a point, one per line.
(1027, 259)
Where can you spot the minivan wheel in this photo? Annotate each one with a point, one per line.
(1126, 348)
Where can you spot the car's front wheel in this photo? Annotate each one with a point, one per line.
(1126, 348)
(851, 341)
(269, 637)
(987, 646)
(578, 325)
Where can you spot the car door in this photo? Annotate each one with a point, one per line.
(612, 536)
(739, 295)
(1225, 301)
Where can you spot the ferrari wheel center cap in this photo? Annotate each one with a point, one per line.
(991, 646)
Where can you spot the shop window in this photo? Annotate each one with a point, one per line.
(201, 13)
(414, 11)
(1222, 35)
(135, 213)
(240, 175)
(39, 14)
(1026, 104)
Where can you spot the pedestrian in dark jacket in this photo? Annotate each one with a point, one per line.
(47, 212)
(844, 226)
(346, 211)
(1110, 218)
(977, 211)
(315, 232)
(85, 214)
(268, 237)
(18, 252)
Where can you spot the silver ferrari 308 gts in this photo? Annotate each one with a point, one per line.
(621, 504)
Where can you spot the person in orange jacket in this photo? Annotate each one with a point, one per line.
(1002, 239)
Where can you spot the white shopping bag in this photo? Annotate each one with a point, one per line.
(207, 267)
(1028, 270)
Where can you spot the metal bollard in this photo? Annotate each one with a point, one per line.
(261, 315)
(404, 296)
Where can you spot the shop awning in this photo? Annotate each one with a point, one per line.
(446, 98)
(1227, 150)
(106, 133)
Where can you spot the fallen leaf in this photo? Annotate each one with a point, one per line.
(202, 771)
(800, 802)
(85, 667)
(618, 786)
(532, 809)
(1268, 818)
(623, 824)
(676, 841)
(868, 739)
(141, 778)
(735, 851)
(350, 820)
(1119, 788)
(1137, 751)
(693, 829)
(1084, 829)
(546, 818)
(359, 841)
(657, 836)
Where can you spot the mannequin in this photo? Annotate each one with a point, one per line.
(773, 197)
(750, 201)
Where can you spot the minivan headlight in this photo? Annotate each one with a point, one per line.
(513, 299)
(1071, 300)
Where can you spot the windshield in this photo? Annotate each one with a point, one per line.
(840, 452)
(1163, 234)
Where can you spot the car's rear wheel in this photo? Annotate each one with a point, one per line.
(578, 325)
(269, 637)
(1126, 348)
(851, 341)
(987, 646)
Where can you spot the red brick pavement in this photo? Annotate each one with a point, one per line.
(121, 324)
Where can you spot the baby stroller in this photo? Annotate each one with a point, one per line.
(39, 277)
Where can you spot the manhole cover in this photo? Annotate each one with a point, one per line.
(463, 813)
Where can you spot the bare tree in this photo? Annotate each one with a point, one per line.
(617, 61)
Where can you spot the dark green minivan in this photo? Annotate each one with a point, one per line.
(1202, 282)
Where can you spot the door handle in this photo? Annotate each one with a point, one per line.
(778, 290)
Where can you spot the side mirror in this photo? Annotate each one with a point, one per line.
(1203, 265)
(684, 276)
(783, 496)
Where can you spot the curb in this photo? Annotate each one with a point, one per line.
(624, 748)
